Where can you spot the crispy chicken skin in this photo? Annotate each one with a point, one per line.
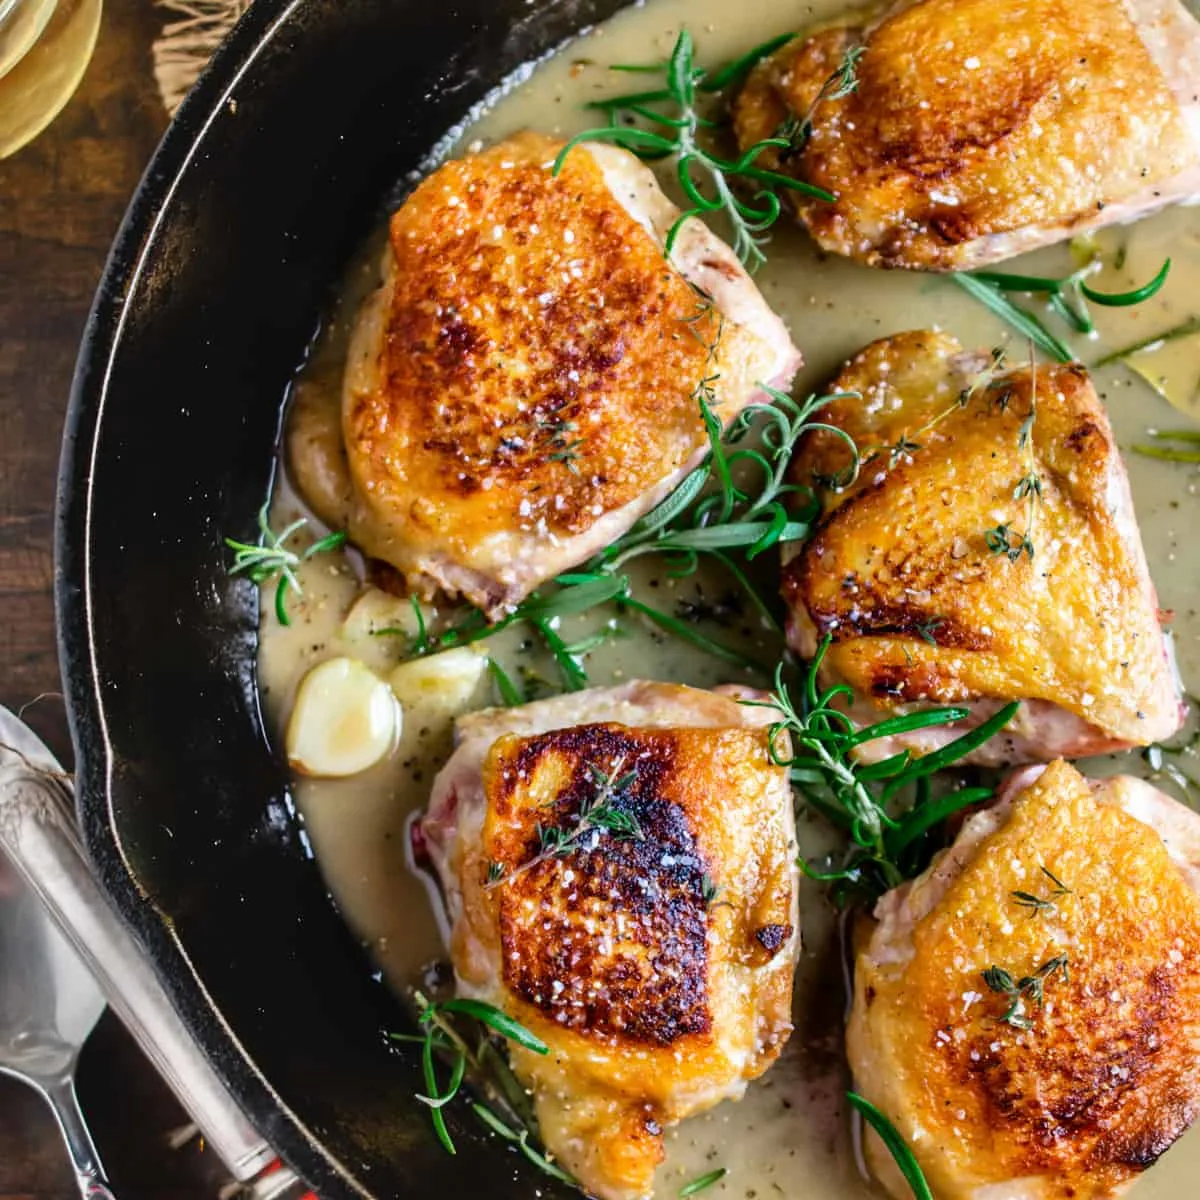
(1108, 1074)
(657, 997)
(523, 386)
(922, 611)
(983, 128)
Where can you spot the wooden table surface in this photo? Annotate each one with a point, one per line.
(61, 199)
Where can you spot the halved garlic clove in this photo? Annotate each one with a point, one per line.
(375, 610)
(443, 682)
(345, 720)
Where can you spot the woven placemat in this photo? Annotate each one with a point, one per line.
(192, 31)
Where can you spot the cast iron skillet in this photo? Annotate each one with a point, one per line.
(308, 119)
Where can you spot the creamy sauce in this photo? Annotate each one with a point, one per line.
(789, 1137)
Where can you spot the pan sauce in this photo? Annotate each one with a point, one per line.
(789, 1136)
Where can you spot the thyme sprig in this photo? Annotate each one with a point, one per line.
(1042, 904)
(907, 444)
(271, 558)
(599, 812)
(1024, 992)
(674, 126)
(1002, 539)
(815, 740)
(842, 82)
(441, 1040)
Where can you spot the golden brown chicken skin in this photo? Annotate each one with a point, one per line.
(1094, 1074)
(983, 128)
(629, 894)
(986, 552)
(525, 384)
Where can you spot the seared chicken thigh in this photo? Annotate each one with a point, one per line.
(986, 552)
(1027, 1012)
(524, 385)
(627, 890)
(983, 128)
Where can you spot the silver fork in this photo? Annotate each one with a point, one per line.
(48, 1006)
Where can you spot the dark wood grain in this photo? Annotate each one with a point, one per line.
(61, 200)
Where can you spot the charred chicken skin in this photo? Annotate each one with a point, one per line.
(626, 888)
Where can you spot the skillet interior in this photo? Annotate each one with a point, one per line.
(308, 118)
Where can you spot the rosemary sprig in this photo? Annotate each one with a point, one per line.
(677, 128)
(520, 1138)
(1154, 342)
(1028, 990)
(510, 695)
(701, 1182)
(896, 1146)
(857, 797)
(1040, 904)
(439, 1037)
(1067, 296)
(1188, 452)
(1025, 323)
(272, 559)
(598, 813)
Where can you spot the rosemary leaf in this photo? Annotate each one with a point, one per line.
(1023, 322)
(905, 1159)
(703, 1181)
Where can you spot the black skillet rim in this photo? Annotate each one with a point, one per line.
(72, 602)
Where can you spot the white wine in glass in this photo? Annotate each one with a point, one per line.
(45, 46)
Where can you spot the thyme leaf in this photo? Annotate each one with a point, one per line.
(1026, 991)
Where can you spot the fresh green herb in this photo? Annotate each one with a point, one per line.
(520, 1138)
(856, 796)
(1134, 296)
(271, 558)
(1068, 296)
(1028, 990)
(703, 1181)
(927, 629)
(495, 871)
(907, 445)
(558, 443)
(510, 694)
(897, 1147)
(1002, 539)
(709, 890)
(843, 82)
(676, 133)
(1025, 323)
(1040, 904)
(711, 514)
(599, 812)
(1189, 452)
(1147, 345)
(440, 1037)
